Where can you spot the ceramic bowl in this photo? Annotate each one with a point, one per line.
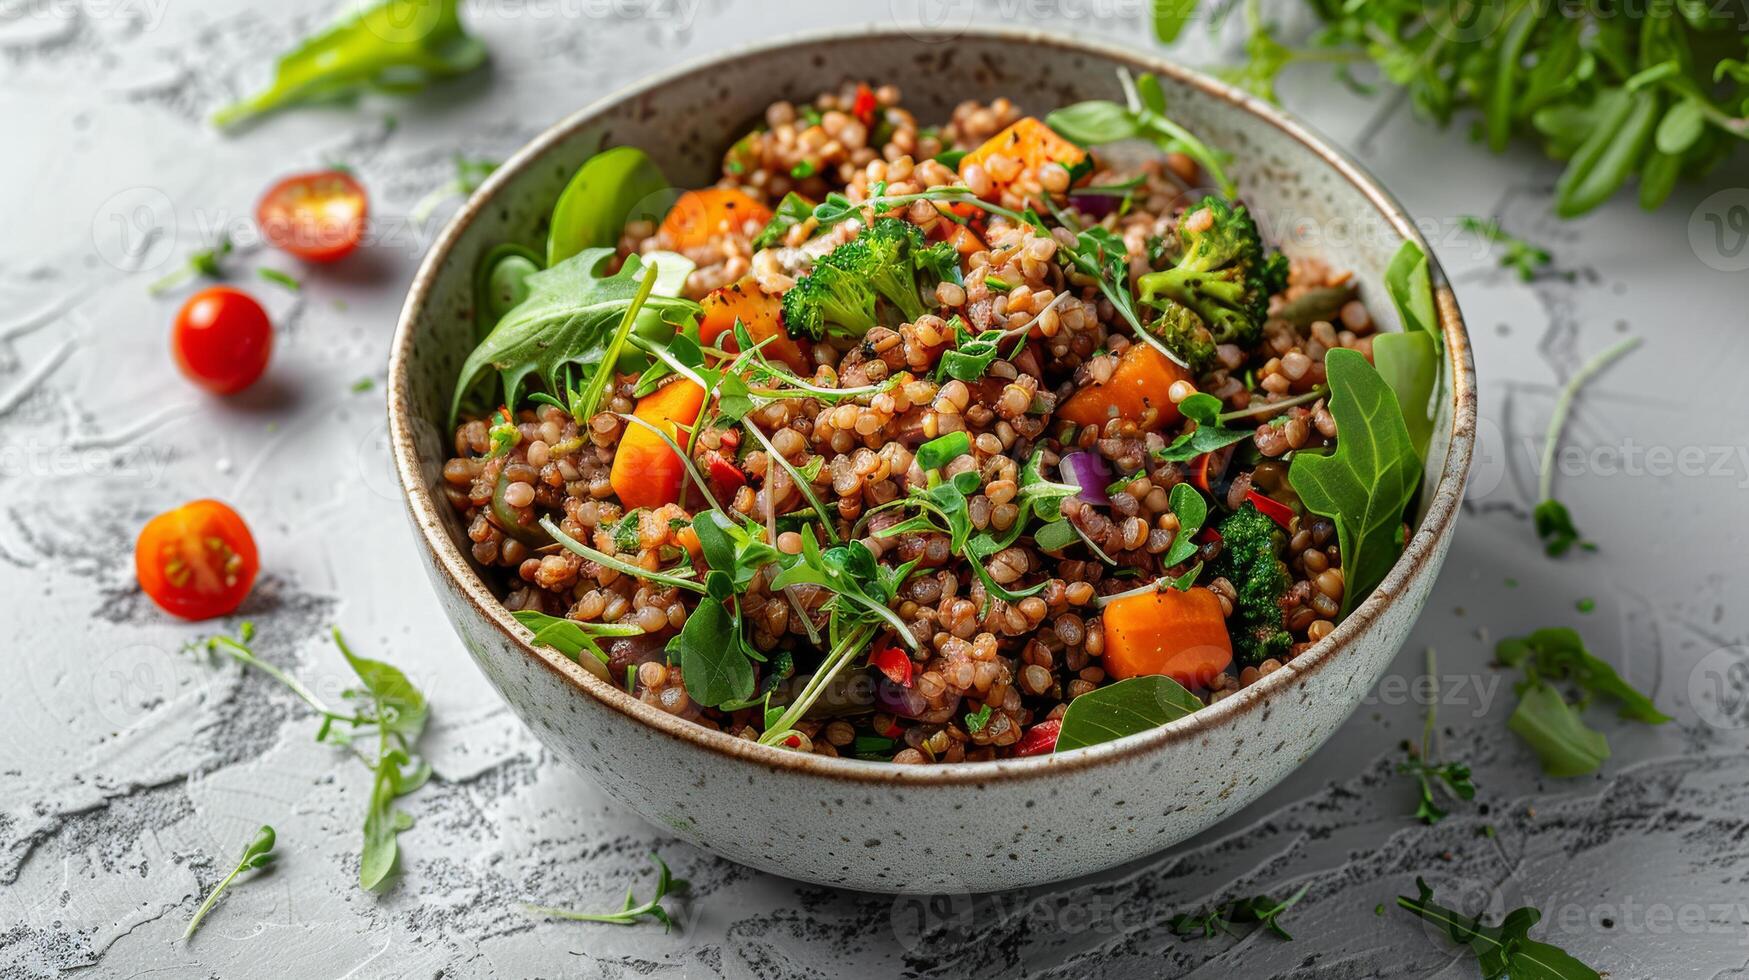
(973, 826)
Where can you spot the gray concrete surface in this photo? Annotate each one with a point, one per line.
(131, 774)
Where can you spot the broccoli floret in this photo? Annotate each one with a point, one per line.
(1183, 331)
(874, 278)
(885, 255)
(828, 295)
(1223, 278)
(1251, 547)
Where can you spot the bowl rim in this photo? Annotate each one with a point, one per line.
(1438, 523)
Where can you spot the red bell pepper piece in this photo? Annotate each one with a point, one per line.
(1040, 739)
(1274, 509)
(1199, 472)
(894, 663)
(864, 106)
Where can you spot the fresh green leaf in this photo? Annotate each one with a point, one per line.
(791, 211)
(976, 721)
(1366, 484)
(1187, 504)
(1409, 363)
(940, 451)
(611, 188)
(1170, 17)
(566, 320)
(1209, 436)
(571, 637)
(1505, 950)
(1409, 282)
(1138, 704)
(258, 853)
(501, 283)
(1260, 910)
(279, 278)
(1560, 654)
(632, 910)
(1608, 156)
(397, 46)
(712, 658)
(1557, 733)
(399, 707)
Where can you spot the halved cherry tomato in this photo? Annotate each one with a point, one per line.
(318, 217)
(894, 663)
(197, 561)
(1272, 508)
(1040, 739)
(221, 339)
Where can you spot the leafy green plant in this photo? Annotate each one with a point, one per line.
(1138, 704)
(1554, 523)
(1141, 116)
(632, 910)
(258, 853)
(1552, 726)
(566, 320)
(1365, 485)
(387, 706)
(1504, 950)
(1454, 776)
(397, 46)
(1516, 253)
(1257, 910)
(1655, 91)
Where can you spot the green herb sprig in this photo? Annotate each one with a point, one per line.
(1453, 776)
(1554, 523)
(1260, 911)
(1517, 254)
(258, 853)
(1142, 116)
(1504, 950)
(632, 910)
(205, 262)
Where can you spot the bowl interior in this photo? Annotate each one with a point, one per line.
(1310, 201)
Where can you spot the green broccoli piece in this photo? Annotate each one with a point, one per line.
(1184, 333)
(1223, 279)
(829, 295)
(884, 255)
(1251, 547)
(876, 277)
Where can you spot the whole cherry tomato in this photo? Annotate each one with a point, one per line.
(221, 339)
(197, 561)
(318, 217)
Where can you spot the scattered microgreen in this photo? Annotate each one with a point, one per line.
(387, 706)
(1258, 910)
(397, 46)
(258, 853)
(1554, 524)
(998, 284)
(1205, 410)
(791, 211)
(206, 262)
(571, 637)
(1504, 950)
(1517, 254)
(279, 278)
(975, 721)
(1552, 726)
(470, 173)
(633, 910)
(363, 385)
(1143, 116)
(1453, 776)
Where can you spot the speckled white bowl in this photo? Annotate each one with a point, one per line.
(952, 828)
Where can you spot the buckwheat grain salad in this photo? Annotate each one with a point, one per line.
(934, 441)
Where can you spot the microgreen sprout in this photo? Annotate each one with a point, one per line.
(632, 911)
(258, 853)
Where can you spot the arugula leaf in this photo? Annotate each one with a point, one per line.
(1368, 481)
(1559, 654)
(1557, 733)
(612, 187)
(566, 320)
(570, 637)
(399, 707)
(1125, 708)
(206, 262)
(397, 46)
(1258, 910)
(1409, 363)
(258, 853)
(1205, 410)
(1503, 950)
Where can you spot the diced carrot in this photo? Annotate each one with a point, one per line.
(1182, 635)
(965, 241)
(1033, 145)
(1136, 391)
(760, 312)
(700, 216)
(646, 473)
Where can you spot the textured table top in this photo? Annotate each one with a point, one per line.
(131, 774)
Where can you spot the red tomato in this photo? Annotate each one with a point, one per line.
(221, 339)
(197, 561)
(894, 663)
(1040, 739)
(317, 216)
